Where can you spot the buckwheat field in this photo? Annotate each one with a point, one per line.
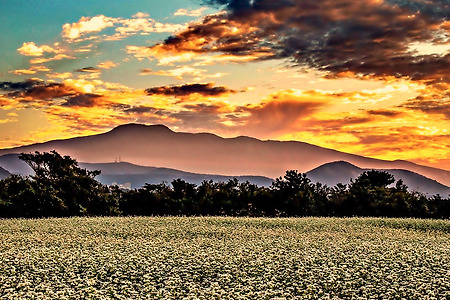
(224, 258)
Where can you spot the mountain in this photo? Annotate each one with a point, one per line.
(14, 165)
(133, 176)
(207, 153)
(124, 173)
(4, 174)
(341, 172)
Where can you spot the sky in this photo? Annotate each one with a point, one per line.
(369, 77)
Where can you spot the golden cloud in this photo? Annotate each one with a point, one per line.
(181, 72)
(370, 39)
(31, 70)
(31, 49)
(56, 57)
(107, 65)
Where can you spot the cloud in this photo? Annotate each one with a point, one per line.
(181, 72)
(139, 23)
(64, 75)
(34, 89)
(190, 13)
(31, 49)
(48, 91)
(363, 38)
(31, 70)
(204, 89)
(214, 35)
(56, 57)
(390, 113)
(19, 86)
(88, 70)
(86, 25)
(430, 106)
(140, 109)
(145, 25)
(280, 112)
(82, 100)
(23, 72)
(107, 65)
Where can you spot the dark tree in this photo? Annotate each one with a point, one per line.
(18, 198)
(64, 189)
(295, 192)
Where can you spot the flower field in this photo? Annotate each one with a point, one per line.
(224, 258)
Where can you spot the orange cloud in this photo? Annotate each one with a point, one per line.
(107, 65)
(371, 39)
(64, 75)
(181, 72)
(56, 57)
(215, 34)
(31, 70)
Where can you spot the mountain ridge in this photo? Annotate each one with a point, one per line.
(341, 172)
(134, 176)
(206, 153)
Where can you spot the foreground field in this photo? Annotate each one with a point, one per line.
(224, 258)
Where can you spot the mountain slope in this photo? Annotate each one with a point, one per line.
(124, 173)
(207, 153)
(341, 172)
(14, 165)
(4, 174)
(135, 176)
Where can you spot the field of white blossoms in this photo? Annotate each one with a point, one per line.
(224, 258)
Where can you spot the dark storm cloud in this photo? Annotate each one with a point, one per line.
(342, 37)
(88, 70)
(82, 100)
(140, 109)
(36, 89)
(204, 89)
(19, 86)
(385, 113)
(430, 106)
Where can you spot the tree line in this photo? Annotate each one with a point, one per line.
(60, 188)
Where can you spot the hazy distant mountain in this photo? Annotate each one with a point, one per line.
(124, 173)
(14, 165)
(341, 172)
(210, 154)
(3, 173)
(135, 176)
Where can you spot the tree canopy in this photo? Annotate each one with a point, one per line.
(59, 187)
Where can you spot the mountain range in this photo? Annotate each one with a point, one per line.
(128, 175)
(204, 153)
(124, 173)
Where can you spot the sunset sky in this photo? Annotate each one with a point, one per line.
(369, 77)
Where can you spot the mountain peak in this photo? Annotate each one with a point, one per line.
(341, 164)
(137, 126)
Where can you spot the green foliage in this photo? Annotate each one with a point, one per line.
(57, 188)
